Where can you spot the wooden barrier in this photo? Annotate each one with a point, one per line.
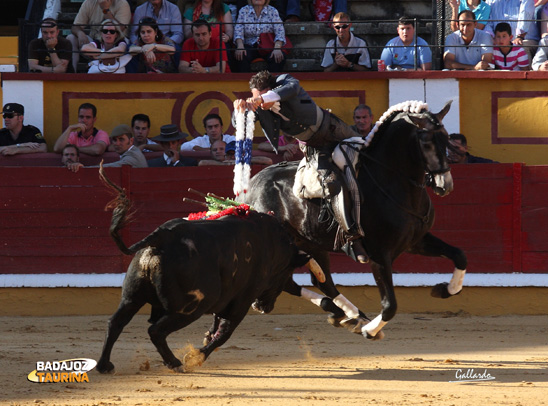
(52, 221)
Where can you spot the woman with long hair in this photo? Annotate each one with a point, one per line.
(155, 50)
(214, 12)
(107, 53)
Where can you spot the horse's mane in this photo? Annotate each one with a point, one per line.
(410, 106)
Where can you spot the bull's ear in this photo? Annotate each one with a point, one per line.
(301, 259)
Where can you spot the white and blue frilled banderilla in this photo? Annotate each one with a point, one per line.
(245, 126)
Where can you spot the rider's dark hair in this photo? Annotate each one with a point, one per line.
(262, 80)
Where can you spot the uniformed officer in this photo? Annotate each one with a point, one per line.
(16, 138)
(282, 104)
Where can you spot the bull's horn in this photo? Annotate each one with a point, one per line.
(316, 269)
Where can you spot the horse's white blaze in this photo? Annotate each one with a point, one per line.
(374, 326)
(455, 286)
(440, 181)
(347, 306)
(311, 296)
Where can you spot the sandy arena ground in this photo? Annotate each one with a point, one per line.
(289, 359)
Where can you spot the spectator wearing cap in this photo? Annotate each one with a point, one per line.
(170, 139)
(224, 154)
(122, 139)
(213, 125)
(52, 53)
(17, 138)
(83, 134)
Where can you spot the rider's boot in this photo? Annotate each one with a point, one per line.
(359, 251)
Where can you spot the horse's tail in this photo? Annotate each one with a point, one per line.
(120, 206)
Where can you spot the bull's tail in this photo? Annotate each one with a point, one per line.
(120, 206)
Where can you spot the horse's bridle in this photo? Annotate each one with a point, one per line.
(428, 180)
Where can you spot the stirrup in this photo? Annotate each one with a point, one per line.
(355, 250)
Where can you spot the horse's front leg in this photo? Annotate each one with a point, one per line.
(432, 246)
(383, 278)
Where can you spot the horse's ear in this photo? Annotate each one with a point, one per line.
(444, 111)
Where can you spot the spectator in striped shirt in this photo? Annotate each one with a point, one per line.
(506, 55)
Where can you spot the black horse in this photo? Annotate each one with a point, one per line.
(406, 153)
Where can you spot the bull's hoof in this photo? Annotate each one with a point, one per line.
(334, 320)
(105, 367)
(174, 365)
(354, 325)
(179, 370)
(379, 336)
(441, 292)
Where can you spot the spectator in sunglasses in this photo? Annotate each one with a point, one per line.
(345, 53)
(16, 138)
(107, 53)
(89, 18)
(52, 53)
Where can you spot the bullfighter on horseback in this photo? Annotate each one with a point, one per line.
(280, 103)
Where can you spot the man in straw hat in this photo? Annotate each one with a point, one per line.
(170, 139)
(121, 138)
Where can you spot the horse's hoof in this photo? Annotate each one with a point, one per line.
(379, 336)
(354, 325)
(105, 368)
(335, 321)
(440, 291)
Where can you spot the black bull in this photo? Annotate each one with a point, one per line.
(185, 269)
(396, 213)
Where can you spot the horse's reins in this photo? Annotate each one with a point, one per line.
(429, 179)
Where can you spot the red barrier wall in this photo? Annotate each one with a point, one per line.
(52, 220)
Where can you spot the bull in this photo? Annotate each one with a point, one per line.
(186, 269)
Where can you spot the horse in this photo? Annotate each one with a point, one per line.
(406, 153)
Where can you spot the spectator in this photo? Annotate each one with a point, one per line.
(140, 125)
(363, 120)
(52, 53)
(540, 61)
(480, 9)
(213, 125)
(17, 138)
(519, 14)
(107, 54)
(399, 52)
(83, 134)
(345, 53)
(287, 145)
(254, 20)
(201, 53)
(321, 11)
(457, 152)
(70, 154)
(468, 48)
(91, 14)
(506, 55)
(171, 139)
(154, 47)
(224, 154)
(166, 14)
(214, 12)
(122, 139)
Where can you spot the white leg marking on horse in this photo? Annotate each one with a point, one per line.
(347, 306)
(312, 296)
(455, 286)
(374, 326)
